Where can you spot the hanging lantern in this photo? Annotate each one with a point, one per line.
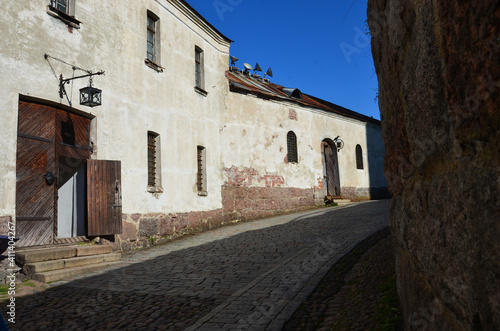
(90, 96)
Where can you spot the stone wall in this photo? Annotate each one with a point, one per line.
(439, 94)
(240, 203)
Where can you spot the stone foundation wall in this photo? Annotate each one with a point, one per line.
(240, 204)
(438, 67)
(259, 202)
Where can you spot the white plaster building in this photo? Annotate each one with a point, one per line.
(179, 143)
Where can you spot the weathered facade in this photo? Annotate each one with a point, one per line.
(174, 147)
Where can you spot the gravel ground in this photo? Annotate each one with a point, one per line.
(352, 296)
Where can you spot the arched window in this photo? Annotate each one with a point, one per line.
(359, 157)
(291, 143)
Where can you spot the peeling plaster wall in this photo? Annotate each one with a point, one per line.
(136, 98)
(258, 149)
(244, 137)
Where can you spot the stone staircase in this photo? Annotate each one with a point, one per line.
(49, 264)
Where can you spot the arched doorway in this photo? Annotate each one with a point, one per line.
(330, 169)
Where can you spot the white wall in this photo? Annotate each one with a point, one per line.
(256, 130)
(136, 98)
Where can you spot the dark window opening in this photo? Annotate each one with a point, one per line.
(359, 157)
(291, 142)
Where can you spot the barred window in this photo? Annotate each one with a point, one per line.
(202, 170)
(291, 142)
(359, 157)
(153, 159)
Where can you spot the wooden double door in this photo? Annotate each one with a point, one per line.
(60, 191)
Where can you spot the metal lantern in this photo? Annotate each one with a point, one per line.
(90, 96)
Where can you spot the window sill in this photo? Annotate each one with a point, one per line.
(200, 91)
(155, 189)
(202, 193)
(69, 20)
(153, 65)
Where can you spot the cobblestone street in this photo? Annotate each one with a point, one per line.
(248, 276)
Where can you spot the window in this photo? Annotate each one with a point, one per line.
(291, 142)
(154, 183)
(61, 5)
(199, 72)
(202, 170)
(153, 42)
(65, 11)
(359, 157)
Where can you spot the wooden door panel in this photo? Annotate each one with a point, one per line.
(103, 197)
(35, 156)
(332, 179)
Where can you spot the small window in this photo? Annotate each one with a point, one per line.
(153, 42)
(199, 75)
(202, 170)
(359, 157)
(61, 5)
(153, 161)
(291, 142)
(65, 11)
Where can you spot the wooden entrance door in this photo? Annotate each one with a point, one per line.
(35, 211)
(49, 140)
(331, 170)
(104, 199)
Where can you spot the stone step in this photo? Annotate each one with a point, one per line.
(55, 275)
(54, 253)
(342, 202)
(38, 267)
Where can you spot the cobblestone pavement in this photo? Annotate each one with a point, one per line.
(250, 276)
(354, 293)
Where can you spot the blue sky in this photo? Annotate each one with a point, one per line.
(318, 46)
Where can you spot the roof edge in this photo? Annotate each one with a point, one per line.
(314, 102)
(191, 13)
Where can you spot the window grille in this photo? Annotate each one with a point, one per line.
(152, 158)
(359, 157)
(291, 141)
(202, 170)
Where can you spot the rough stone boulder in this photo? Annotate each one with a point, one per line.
(438, 64)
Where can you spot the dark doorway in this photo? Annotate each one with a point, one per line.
(330, 169)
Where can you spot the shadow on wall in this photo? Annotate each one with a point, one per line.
(375, 153)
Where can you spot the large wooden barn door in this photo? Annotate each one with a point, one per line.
(35, 157)
(104, 200)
